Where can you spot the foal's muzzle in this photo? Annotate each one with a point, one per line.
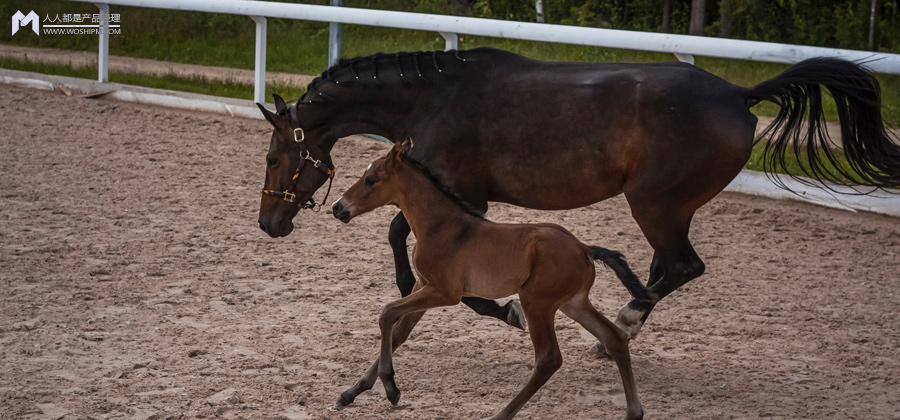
(341, 211)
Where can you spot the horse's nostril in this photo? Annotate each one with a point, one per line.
(262, 226)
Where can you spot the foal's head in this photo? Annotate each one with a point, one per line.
(377, 187)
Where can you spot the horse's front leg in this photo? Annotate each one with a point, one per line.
(511, 313)
(397, 236)
(419, 301)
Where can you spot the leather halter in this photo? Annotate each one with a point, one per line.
(288, 194)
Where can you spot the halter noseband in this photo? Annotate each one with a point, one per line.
(288, 195)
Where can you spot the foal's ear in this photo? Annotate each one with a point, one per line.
(396, 152)
(279, 103)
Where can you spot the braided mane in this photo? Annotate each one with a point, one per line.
(369, 71)
(442, 187)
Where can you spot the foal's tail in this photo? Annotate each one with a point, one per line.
(616, 261)
(871, 152)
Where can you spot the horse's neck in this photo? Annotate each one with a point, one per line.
(429, 212)
(362, 119)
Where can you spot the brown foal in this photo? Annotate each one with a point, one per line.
(458, 253)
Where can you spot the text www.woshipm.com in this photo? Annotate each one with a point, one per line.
(81, 31)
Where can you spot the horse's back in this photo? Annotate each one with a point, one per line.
(502, 123)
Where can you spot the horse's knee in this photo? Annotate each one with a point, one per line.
(549, 363)
(617, 345)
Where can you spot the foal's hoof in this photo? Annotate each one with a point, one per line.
(601, 352)
(345, 399)
(636, 416)
(516, 316)
(393, 395)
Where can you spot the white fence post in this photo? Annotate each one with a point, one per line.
(451, 41)
(259, 79)
(103, 53)
(334, 38)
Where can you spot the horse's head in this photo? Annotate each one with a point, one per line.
(298, 163)
(377, 186)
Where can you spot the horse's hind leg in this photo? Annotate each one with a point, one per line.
(548, 359)
(677, 261)
(656, 273)
(511, 313)
(614, 341)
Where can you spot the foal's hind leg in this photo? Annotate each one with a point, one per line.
(614, 341)
(511, 313)
(547, 356)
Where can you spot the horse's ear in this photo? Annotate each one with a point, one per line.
(270, 116)
(407, 145)
(279, 103)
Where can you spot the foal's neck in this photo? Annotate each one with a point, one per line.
(427, 209)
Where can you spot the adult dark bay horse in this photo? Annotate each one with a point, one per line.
(497, 126)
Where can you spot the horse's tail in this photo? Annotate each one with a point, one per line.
(871, 152)
(616, 261)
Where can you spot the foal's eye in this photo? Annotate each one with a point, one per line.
(371, 180)
(271, 161)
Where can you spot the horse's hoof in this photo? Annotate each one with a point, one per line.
(638, 416)
(601, 352)
(516, 316)
(393, 396)
(345, 399)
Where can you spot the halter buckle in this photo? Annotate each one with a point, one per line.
(289, 197)
(302, 135)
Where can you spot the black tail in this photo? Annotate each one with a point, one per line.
(616, 261)
(872, 153)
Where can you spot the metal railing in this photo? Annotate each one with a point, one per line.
(684, 47)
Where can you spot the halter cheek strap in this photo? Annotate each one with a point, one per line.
(288, 194)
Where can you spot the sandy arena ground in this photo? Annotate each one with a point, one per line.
(136, 285)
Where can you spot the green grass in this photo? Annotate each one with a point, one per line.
(194, 85)
(301, 46)
(795, 165)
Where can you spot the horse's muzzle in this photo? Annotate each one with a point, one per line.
(276, 230)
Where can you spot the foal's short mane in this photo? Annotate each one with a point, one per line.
(442, 187)
(347, 71)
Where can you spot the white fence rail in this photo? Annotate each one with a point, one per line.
(684, 47)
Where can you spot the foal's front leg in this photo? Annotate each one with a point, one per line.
(402, 330)
(425, 298)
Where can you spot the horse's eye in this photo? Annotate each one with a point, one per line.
(272, 161)
(371, 180)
